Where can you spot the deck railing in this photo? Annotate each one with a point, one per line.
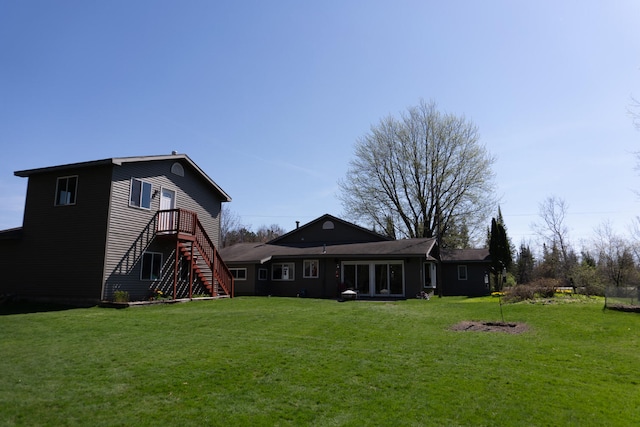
(186, 225)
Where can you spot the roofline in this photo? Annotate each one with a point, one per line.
(332, 218)
(119, 161)
(11, 233)
(28, 172)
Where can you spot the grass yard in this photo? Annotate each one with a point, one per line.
(280, 361)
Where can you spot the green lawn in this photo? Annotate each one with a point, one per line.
(280, 361)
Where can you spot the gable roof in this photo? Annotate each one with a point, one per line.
(259, 253)
(328, 230)
(118, 161)
(465, 255)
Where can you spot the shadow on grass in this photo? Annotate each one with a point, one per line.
(24, 307)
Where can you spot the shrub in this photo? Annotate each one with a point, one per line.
(519, 293)
(157, 294)
(545, 287)
(540, 288)
(121, 296)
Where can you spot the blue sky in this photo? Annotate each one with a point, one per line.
(269, 97)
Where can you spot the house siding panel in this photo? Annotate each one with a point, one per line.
(131, 229)
(68, 242)
(9, 256)
(473, 286)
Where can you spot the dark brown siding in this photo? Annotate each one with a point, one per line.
(316, 233)
(131, 229)
(63, 246)
(473, 286)
(326, 285)
(9, 274)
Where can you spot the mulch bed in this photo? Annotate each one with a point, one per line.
(509, 328)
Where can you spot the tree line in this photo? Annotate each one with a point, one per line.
(426, 174)
(233, 231)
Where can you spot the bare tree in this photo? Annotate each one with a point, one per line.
(229, 222)
(615, 256)
(634, 237)
(265, 234)
(232, 230)
(422, 175)
(553, 229)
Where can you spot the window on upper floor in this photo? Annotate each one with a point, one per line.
(140, 195)
(66, 190)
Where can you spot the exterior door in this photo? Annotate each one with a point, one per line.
(167, 219)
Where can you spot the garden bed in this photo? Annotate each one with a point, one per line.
(510, 328)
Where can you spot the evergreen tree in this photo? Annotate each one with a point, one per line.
(509, 245)
(524, 265)
(500, 252)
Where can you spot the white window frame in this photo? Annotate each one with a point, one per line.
(463, 272)
(70, 196)
(291, 275)
(153, 265)
(429, 271)
(139, 202)
(236, 276)
(263, 274)
(313, 273)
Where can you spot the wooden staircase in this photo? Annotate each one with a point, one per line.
(194, 245)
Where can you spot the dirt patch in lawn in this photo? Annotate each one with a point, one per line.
(510, 328)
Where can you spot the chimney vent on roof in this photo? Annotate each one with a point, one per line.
(173, 153)
(297, 224)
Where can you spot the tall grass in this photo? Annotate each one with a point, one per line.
(279, 361)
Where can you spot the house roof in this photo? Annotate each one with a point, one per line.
(345, 233)
(258, 253)
(466, 255)
(118, 161)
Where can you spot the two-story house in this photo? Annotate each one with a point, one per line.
(132, 224)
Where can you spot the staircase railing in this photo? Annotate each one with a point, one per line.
(184, 222)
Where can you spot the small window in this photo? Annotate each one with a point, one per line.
(66, 189)
(262, 274)
(177, 169)
(462, 272)
(282, 271)
(328, 225)
(140, 194)
(151, 266)
(239, 273)
(310, 269)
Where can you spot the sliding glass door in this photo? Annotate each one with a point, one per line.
(374, 278)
